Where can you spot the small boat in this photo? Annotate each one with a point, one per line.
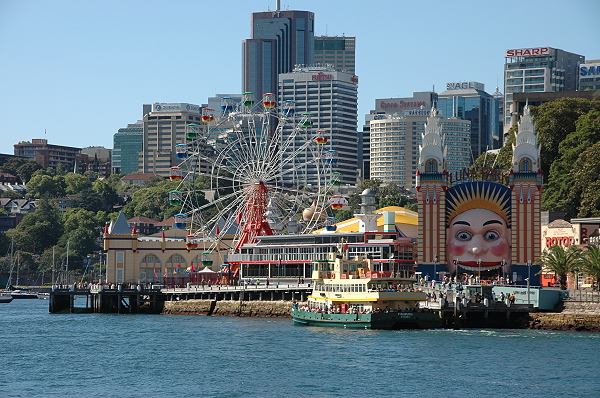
(5, 298)
(43, 295)
(23, 294)
(347, 293)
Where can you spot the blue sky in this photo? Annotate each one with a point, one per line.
(80, 70)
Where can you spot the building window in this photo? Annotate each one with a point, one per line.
(525, 165)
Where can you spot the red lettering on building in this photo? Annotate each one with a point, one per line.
(559, 240)
(402, 104)
(322, 76)
(525, 52)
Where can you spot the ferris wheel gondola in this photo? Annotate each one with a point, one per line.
(256, 169)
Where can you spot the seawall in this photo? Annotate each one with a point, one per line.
(570, 315)
(573, 315)
(229, 308)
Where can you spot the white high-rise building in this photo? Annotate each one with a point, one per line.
(395, 142)
(331, 98)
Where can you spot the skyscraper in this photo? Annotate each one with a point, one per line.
(280, 40)
(537, 69)
(331, 97)
(127, 145)
(337, 52)
(469, 101)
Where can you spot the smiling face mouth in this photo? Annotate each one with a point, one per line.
(483, 266)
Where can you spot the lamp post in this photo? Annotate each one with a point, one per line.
(435, 261)
(479, 277)
(528, 278)
(503, 265)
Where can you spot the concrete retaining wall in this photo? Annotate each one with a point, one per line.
(573, 315)
(229, 308)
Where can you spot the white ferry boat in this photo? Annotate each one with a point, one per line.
(348, 293)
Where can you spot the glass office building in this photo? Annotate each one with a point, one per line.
(469, 101)
(280, 41)
(127, 144)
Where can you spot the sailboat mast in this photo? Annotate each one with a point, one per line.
(53, 280)
(12, 247)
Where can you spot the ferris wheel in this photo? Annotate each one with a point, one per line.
(256, 169)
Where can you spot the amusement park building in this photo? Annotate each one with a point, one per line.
(331, 98)
(395, 141)
(164, 258)
(279, 41)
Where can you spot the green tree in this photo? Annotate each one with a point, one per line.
(91, 200)
(412, 206)
(80, 218)
(153, 202)
(108, 193)
(396, 200)
(343, 215)
(45, 186)
(81, 242)
(590, 262)
(20, 167)
(561, 261)
(558, 193)
(583, 194)
(554, 121)
(4, 244)
(12, 195)
(51, 259)
(40, 229)
(77, 183)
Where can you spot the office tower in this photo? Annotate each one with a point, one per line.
(537, 69)
(395, 142)
(589, 75)
(332, 100)
(127, 145)
(279, 41)
(469, 101)
(165, 127)
(419, 104)
(336, 52)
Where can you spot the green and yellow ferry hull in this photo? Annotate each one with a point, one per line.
(382, 320)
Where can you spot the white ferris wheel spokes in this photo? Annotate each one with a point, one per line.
(255, 170)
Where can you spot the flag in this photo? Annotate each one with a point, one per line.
(192, 267)
(155, 276)
(188, 269)
(217, 229)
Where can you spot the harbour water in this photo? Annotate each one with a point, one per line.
(97, 355)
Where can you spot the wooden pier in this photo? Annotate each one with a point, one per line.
(142, 300)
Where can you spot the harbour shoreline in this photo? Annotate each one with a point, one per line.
(573, 316)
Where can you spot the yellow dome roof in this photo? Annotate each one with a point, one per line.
(402, 217)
